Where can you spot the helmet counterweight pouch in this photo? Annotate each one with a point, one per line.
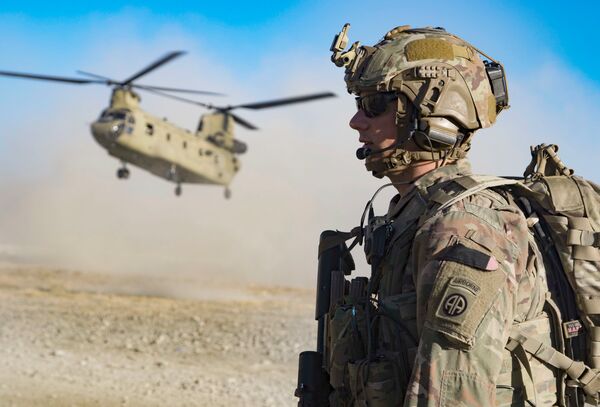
(495, 73)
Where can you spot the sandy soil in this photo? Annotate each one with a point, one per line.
(84, 339)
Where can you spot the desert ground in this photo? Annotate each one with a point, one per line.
(70, 338)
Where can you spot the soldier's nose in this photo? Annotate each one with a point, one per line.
(358, 121)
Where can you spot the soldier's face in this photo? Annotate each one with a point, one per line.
(377, 132)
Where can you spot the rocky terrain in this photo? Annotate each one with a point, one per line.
(84, 339)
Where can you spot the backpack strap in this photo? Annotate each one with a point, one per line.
(470, 184)
(580, 374)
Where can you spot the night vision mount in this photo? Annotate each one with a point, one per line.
(350, 58)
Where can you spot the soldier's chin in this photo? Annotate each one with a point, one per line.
(377, 175)
(375, 167)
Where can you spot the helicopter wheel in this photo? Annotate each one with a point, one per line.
(122, 173)
(178, 190)
(227, 193)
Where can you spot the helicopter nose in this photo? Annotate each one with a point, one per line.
(107, 133)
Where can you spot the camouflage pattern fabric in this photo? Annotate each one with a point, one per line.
(451, 287)
(406, 61)
(476, 272)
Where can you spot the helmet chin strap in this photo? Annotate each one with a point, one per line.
(392, 159)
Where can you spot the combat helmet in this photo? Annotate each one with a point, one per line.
(451, 90)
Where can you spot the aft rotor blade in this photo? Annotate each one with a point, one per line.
(77, 81)
(181, 99)
(153, 66)
(285, 101)
(198, 92)
(240, 121)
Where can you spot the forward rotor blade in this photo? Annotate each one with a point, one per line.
(153, 66)
(198, 92)
(93, 75)
(241, 121)
(77, 81)
(181, 99)
(286, 101)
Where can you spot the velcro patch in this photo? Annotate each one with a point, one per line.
(462, 254)
(429, 48)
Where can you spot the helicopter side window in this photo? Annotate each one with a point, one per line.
(200, 152)
(168, 136)
(149, 129)
(185, 144)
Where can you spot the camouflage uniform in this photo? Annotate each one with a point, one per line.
(451, 287)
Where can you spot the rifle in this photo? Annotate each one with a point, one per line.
(335, 261)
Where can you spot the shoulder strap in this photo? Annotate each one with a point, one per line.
(473, 184)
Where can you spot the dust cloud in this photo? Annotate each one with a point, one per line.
(62, 204)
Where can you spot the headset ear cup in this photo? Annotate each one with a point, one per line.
(422, 140)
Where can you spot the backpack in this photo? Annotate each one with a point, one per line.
(563, 211)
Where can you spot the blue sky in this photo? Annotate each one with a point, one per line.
(299, 175)
(513, 30)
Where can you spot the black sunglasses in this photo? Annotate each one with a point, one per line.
(375, 104)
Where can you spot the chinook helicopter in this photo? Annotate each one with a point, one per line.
(128, 133)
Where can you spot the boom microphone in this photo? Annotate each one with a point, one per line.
(363, 153)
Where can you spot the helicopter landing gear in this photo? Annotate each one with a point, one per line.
(123, 173)
(227, 193)
(178, 190)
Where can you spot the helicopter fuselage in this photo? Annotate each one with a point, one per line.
(133, 136)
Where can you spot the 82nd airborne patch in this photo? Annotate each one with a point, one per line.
(454, 305)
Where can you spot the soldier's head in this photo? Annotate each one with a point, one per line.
(420, 94)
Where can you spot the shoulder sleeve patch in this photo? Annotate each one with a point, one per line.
(462, 254)
(460, 299)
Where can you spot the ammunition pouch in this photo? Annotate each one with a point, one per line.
(378, 383)
(347, 339)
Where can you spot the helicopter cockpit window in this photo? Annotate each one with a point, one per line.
(149, 129)
(111, 115)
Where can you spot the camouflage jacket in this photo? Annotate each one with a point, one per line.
(451, 286)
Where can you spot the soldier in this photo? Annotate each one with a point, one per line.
(456, 273)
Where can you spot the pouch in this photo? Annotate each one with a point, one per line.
(347, 340)
(377, 383)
